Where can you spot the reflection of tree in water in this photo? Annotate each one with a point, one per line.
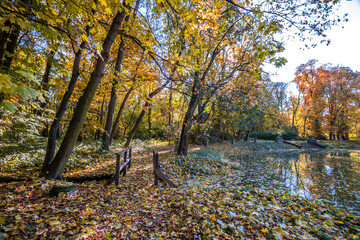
(337, 179)
(332, 177)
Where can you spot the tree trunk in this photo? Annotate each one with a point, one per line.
(187, 124)
(113, 97)
(117, 119)
(317, 128)
(109, 118)
(57, 166)
(146, 106)
(247, 136)
(194, 101)
(239, 135)
(149, 121)
(45, 81)
(170, 106)
(305, 125)
(294, 114)
(305, 119)
(220, 129)
(51, 144)
(54, 128)
(151, 95)
(11, 44)
(46, 77)
(100, 118)
(3, 41)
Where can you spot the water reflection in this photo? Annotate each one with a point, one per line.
(332, 177)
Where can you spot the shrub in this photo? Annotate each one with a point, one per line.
(263, 135)
(289, 135)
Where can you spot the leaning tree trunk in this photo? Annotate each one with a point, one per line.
(57, 166)
(54, 128)
(109, 118)
(113, 97)
(188, 119)
(117, 119)
(148, 100)
(185, 131)
(52, 135)
(146, 106)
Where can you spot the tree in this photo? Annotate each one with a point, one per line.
(57, 166)
(52, 134)
(329, 93)
(312, 88)
(113, 97)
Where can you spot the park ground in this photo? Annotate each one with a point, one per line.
(209, 202)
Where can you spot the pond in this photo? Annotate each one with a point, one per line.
(330, 176)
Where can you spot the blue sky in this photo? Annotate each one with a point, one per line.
(344, 48)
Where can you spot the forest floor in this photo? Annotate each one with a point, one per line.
(209, 203)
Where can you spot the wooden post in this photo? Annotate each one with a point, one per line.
(130, 156)
(117, 169)
(158, 174)
(206, 142)
(156, 166)
(177, 144)
(124, 171)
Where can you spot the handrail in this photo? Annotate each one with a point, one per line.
(121, 167)
(293, 144)
(158, 174)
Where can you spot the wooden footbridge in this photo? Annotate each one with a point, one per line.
(310, 144)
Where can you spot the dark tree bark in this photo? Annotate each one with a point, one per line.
(149, 121)
(117, 119)
(187, 123)
(4, 35)
(50, 149)
(239, 135)
(10, 44)
(113, 97)
(57, 166)
(146, 106)
(46, 77)
(45, 81)
(294, 114)
(247, 136)
(54, 128)
(170, 106)
(106, 141)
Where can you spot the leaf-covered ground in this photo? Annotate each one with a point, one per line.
(209, 203)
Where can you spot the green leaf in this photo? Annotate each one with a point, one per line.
(8, 106)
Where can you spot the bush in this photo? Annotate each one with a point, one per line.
(263, 135)
(289, 135)
(158, 133)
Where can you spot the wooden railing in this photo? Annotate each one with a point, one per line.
(121, 167)
(293, 144)
(158, 174)
(316, 144)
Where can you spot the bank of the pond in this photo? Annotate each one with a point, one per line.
(209, 203)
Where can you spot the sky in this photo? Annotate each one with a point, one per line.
(343, 50)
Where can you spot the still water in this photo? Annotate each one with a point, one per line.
(332, 177)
